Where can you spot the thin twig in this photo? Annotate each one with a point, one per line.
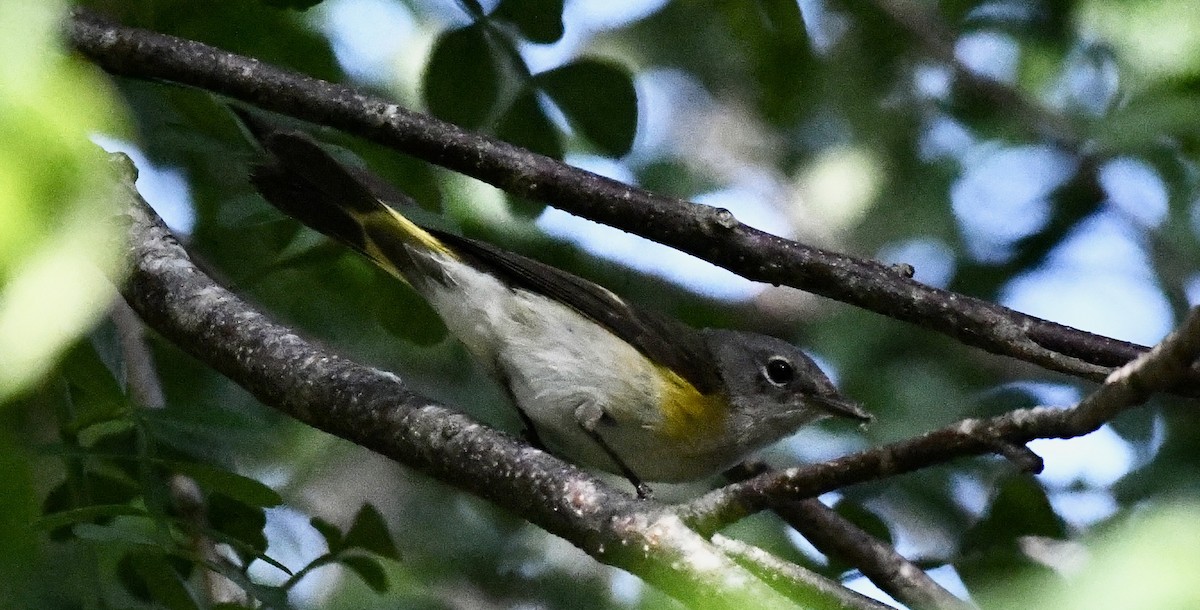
(141, 377)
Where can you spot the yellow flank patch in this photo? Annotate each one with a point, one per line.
(688, 414)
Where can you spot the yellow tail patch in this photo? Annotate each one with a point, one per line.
(416, 233)
(391, 240)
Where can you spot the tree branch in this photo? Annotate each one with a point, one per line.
(836, 536)
(376, 409)
(709, 233)
(800, 582)
(880, 563)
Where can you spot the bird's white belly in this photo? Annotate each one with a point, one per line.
(553, 361)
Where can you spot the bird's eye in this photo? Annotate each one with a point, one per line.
(779, 371)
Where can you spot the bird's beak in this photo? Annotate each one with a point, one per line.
(841, 408)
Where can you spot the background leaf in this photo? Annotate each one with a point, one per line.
(370, 532)
(525, 124)
(299, 5)
(162, 584)
(87, 514)
(236, 486)
(330, 532)
(599, 100)
(368, 569)
(94, 390)
(538, 20)
(56, 184)
(461, 83)
(238, 520)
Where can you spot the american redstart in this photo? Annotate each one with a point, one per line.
(595, 379)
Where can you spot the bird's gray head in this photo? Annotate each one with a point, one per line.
(774, 387)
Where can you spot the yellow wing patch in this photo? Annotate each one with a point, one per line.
(686, 412)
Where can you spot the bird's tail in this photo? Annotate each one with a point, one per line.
(305, 182)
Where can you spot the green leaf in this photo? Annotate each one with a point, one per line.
(868, 521)
(408, 174)
(205, 425)
(370, 532)
(538, 20)
(368, 569)
(1003, 573)
(598, 99)
(231, 484)
(770, 43)
(116, 443)
(103, 431)
(1021, 508)
(525, 124)
(299, 254)
(299, 5)
(865, 519)
(161, 581)
(97, 490)
(272, 597)
(1147, 562)
(131, 580)
(991, 551)
(238, 520)
(120, 533)
(95, 393)
(89, 514)
(674, 177)
(247, 551)
(118, 446)
(1144, 122)
(473, 8)
(462, 79)
(330, 532)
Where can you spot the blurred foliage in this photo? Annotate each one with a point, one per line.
(841, 118)
(55, 243)
(53, 187)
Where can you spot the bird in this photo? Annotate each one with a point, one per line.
(595, 379)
